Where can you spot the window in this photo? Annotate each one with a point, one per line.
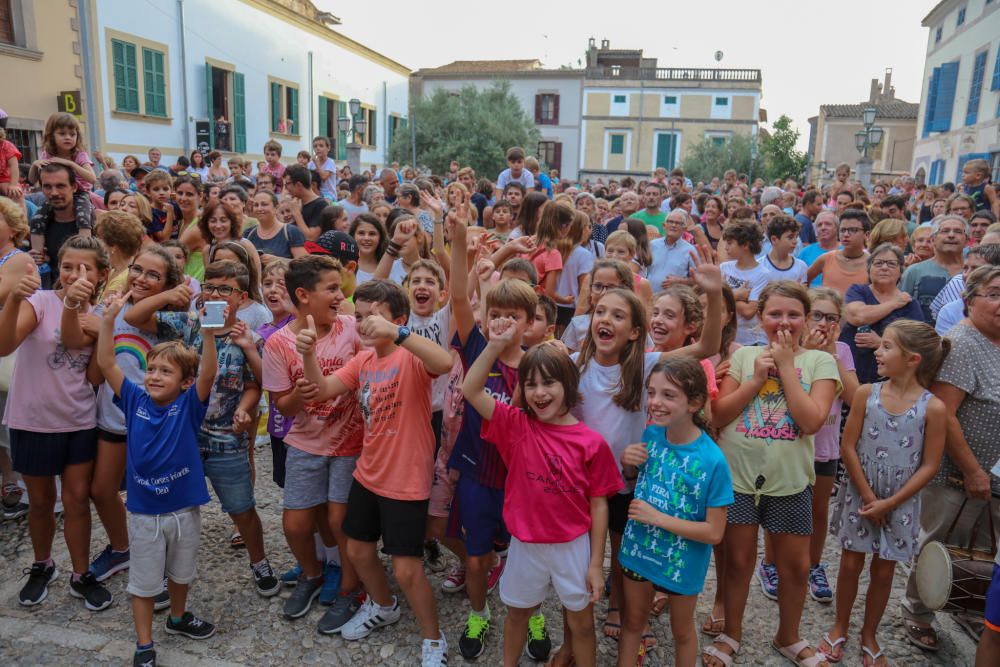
(670, 99)
(667, 144)
(284, 108)
(139, 71)
(619, 104)
(961, 17)
(940, 98)
(327, 121)
(372, 119)
(619, 99)
(547, 109)
(721, 101)
(7, 35)
(937, 172)
(29, 142)
(721, 107)
(396, 124)
(670, 106)
(617, 144)
(978, 73)
(937, 34)
(550, 154)
(226, 107)
(995, 83)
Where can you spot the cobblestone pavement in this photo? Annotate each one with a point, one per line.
(252, 631)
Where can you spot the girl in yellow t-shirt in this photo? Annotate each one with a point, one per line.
(772, 402)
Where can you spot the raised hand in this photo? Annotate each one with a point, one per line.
(27, 285)
(115, 304)
(783, 349)
(706, 272)
(305, 341)
(81, 290)
(376, 326)
(501, 331)
(241, 336)
(763, 365)
(484, 269)
(404, 231)
(180, 296)
(433, 203)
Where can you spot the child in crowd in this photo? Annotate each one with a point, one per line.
(622, 246)
(577, 263)
(606, 274)
(515, 171)
(745, 276)
(783, 235)
(502, 220)
(569, 553)
(165, 480)
(303, 158)
(542, 329)
(892, 447)
(278, 302)
(165, 212)
(325, 166)
(976, 184)
(369, 233)
(388, 497)
(272, 165)
(9, 168)
(62, 143)
(682, 489)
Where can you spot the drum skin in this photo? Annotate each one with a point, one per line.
(934, 575)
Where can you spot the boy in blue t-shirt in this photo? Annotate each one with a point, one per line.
(164, 477)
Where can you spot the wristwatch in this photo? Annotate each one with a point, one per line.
(404, 333)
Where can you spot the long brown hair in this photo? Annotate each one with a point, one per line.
(632, 358)
(689, 376)
(920, 338)
(208, 212)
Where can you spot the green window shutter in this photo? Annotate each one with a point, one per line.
(293, 110)
(240, 113)
(126, 76)
(208, 104)
(341, 136)
(154, 83)
(390, 132)
(118, 64)
(372, 125)
(617, 144)
(323, 122)
(132, 78)
(275, 106)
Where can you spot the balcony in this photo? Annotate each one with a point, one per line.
(675, 74)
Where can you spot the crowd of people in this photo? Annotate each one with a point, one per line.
(524, 372)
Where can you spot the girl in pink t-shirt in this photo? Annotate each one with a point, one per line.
(546, 258)
(62, 143)
(559, 475)
(52, 411)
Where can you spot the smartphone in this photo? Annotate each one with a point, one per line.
(864, 328)
(214, 316)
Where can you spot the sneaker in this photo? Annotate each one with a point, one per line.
(493, 578)
(434, 653)
(454, 581)
(190, 626)
(37, 587)
(767, 575)
(162, 601)
(263, 576)
(11, 495)
(819, 586)
(15, 512)
(95, 596)
(301, 599)
(108, 562)
(331, 584)
(368, 617)
(539, 645)
(340, 612)
(472, 643)
(291, 577)
(145, 658)
(433, 558)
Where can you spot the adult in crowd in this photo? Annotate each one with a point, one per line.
(672, 262)
(826, 227)
(628, 203)
(305, 205)
(948, 306)
(712, 220)
(925, 279)
(651, 214)
(978, 224)
(389, 181)
(872, 307)
(61, 215)
(272, 238)
(353, 204)
(842, 268)
(969, 386)
(235, 198)
(812, 204)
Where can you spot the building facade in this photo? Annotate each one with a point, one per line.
(637, 116)
(831, 140)
(960, 102)
(550, 96)
(230, 75)
(40, 50)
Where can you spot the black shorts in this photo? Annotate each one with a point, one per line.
(108, 436)
(618, 511)
(826, 468)
(401, 524)
(776, 514)
(279, 450)
(564, 315)
(47, 454)
(633, 576)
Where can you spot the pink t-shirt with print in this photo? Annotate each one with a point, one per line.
(81, 159)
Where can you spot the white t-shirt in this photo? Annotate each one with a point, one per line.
(436, 328)
(328, 188)
(579, 262)
(576, 331)
(797, 272)
(526, 179)
(398, 272)
(949, 315)
(362, 276)
(747, 328)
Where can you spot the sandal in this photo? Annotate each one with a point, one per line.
(834, 644)
(612, 630)
(973, 626)
(709, 627)
(870, 659)
(659, 603)
(725, 658)
(916, 634)
(648, 640)
(236, 541)
(791, 653)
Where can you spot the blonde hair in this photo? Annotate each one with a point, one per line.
(142, 204)
(827, 294)
(886, 230)
(514, 294)
(15, 218)
(122, 230)
(920, 338)
(623, 238)
(178, 354)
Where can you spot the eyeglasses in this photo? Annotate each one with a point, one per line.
(885, 263)
(221, 290)
(601, 288)
(829, 318)
(137, 271)
(992, 297)
(674, 223)
(851, 230)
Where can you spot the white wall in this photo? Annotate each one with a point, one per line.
(567, 131)
(260, 46)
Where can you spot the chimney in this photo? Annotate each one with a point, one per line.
(605, 44)
(875, 92)
(888, 92)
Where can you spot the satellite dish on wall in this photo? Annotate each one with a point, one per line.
(718, 56)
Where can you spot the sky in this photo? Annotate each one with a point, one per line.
(810, 52)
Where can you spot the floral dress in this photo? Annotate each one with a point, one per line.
(891, 450)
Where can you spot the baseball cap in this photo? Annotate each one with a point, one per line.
(336, 244)
(141, 169)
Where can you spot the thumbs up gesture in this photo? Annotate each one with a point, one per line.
(81, 290)
(305, 342)
(27, 285)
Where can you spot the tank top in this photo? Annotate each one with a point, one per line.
(714, 242)
(978, 194)
(835, 277)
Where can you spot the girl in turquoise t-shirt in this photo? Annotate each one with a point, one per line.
(682, 490)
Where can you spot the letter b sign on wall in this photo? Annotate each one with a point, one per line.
(68, 101)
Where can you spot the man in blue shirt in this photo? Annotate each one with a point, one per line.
(672, 260)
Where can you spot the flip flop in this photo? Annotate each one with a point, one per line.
(612, 630)
(867, 654)
(659, 603)
(791, 653)
(648, 640)
(916, 633)
(833, 644)
(725, 658)
(973, 627)
(712, 621)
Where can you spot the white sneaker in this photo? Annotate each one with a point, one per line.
(369, 617)
(435, 653)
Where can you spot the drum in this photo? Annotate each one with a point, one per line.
(953, 579)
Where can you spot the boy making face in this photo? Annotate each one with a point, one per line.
(783, 233)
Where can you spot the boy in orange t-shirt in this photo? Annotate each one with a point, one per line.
(392, 481)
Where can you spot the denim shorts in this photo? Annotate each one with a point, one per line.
(231, 479)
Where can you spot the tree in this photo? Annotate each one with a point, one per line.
(778, 150)
(708, 159)
(471, 126)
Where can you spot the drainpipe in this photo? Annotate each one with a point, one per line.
(385, 122)
(642, 115)
(185, 125)
(86, 60)
(312, 116)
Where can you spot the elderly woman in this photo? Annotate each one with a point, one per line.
(874, 306)
(969, 385)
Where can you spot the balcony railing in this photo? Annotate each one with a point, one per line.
(674, 74)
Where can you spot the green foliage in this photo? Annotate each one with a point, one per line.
(707, 160)
(778, 150)
(476, 128)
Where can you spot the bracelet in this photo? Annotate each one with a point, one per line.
(392, 252)
(395, 246)
(66, 305)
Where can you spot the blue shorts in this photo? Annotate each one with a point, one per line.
(476, 516)
(231, 480)
(993, 601)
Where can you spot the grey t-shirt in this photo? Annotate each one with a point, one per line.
(972, 367)
(279, 245)
(923, 281)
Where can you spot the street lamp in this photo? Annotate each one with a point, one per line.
(353, 125)
(867, 140)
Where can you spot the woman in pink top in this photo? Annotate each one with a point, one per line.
(52, 410)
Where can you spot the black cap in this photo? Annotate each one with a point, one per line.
(141, 169)
(336, 244)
